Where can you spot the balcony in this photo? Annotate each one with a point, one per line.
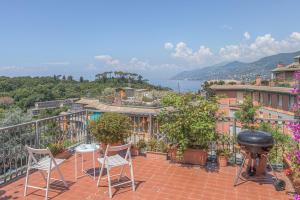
(156, 178)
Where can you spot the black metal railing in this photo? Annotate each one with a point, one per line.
(73, 128)
(38, 134)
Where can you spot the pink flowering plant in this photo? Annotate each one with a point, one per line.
(294, 155)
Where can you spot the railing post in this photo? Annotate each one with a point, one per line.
(37, 135)
(86, 127)
(234, 138)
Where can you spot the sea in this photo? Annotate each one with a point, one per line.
(179, 85)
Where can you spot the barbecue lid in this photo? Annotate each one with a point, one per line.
(255, 138)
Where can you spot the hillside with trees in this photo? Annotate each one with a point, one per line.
(23, 92)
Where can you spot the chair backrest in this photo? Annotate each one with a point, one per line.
(117, 149)
(43, 152)
(37, 151)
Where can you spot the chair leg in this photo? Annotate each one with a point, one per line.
(26, 181)
(109, 183)
(100, 175)
(61, 176)
(47, 186)
(132, 176)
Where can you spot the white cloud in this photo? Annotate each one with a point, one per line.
(64, 63)
(295, 36)
(133, 65)
(107, 59)
(10, 68)
(247, 35)
(184, 52)
(261, 46)
(21, 69)
(168, 45)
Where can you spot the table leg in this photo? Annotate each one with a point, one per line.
(82, 162)
(94, 165)
(75, 166)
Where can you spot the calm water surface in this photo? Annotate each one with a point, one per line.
(176, 85)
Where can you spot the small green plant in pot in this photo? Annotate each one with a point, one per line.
(111, 128)
(141, 146)
(138, 148)
(56, 148)
(223, 156)
(156, 149)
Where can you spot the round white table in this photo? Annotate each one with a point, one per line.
(82, 149)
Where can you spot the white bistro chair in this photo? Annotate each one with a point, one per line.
(110, 162)
(46, 164)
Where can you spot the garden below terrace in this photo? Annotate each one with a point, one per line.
(156, 178)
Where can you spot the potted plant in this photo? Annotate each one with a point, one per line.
(138, 148)
(156, 149)
(189, 121)
(111, 128)
(58, 148)
(223, 156)
(61, 149)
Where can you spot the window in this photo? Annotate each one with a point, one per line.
(279, 100)
(231, 113)
(291, 101)
(240, 97)
(261, 100)
(269, 99)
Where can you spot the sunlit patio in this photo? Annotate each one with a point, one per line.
(155, 179)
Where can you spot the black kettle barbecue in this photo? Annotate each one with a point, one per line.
(256, 145)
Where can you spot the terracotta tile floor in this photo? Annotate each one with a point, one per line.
(156, 180)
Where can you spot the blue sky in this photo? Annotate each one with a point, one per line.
(154, 38)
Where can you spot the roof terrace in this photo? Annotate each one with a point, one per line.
(155, 176)
(155, 179)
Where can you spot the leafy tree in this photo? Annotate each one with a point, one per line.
(81, 79)
(70, 78)
(247, 112)
(188, 120)
(14, 116)
(209, 93)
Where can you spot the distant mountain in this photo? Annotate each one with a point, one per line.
(238, 70)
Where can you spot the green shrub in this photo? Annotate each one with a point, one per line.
(223, 152)
(111, 128)
(141, 144)
(157, 146)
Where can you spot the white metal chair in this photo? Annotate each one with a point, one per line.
(46, 164)
(110, 162)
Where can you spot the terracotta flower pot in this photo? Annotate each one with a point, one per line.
(195, 156)
(172, 154)
(135, 151)
(63, 155)
(222, 160)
